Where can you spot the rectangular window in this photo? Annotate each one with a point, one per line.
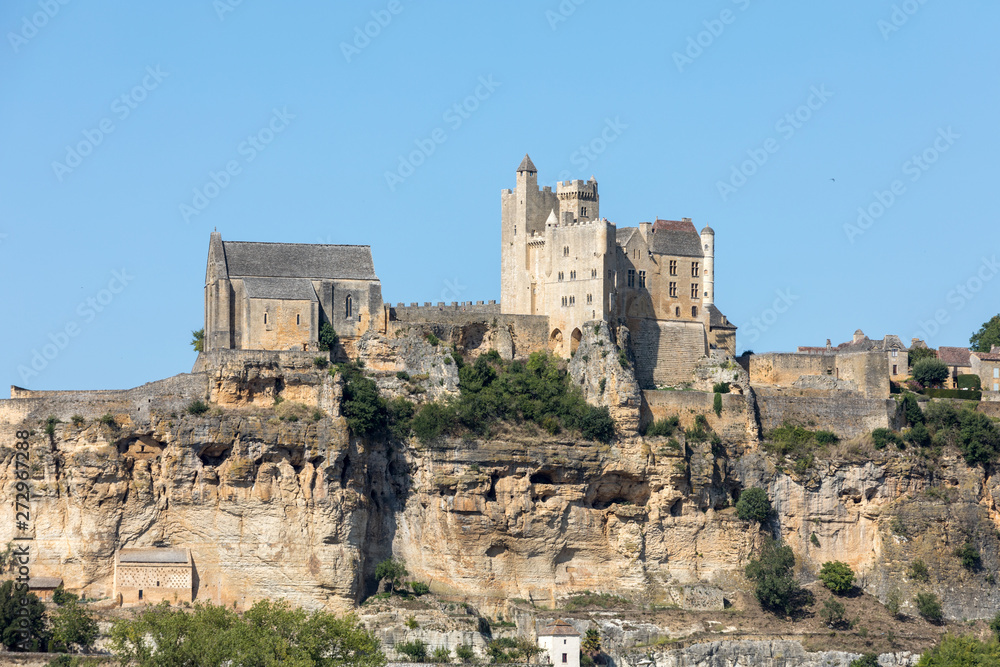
(583, 210)
(560, 275)
(894, 372)
(565, 251)
(694, 311)
(564, 657)
(631, 277)
(996, 372)
(265, 318)
(996, 387)
(694, 269)
(694, 290)
(642, 279)
(297, 321)
(564, 301)
(673, 267)
(593, 273)
(673, 290)
(590, 299)
(894, 352)
(572, 275)
(677, 311)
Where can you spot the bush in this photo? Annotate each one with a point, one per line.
(918, 436)
(416, 650)
(721, 388)
(866, 660)
(930, 372)
(197, 407)
(109, 420)
(77, 420)
(403, 375)
(968, 381)
(663, 427)
(432, 339)
(411, 622)
(918, 571)
(60, 596)
(432, 420)
(362, 405)
(961, 651)
(602, 383)
(775, 587)
(399, 414)
(291, 411)
(883, 436)
(969, 556)
(391, 570)
(837, 576)
(441, 654)
(73, 628)
(50, 425)
(929, 607)
(893, 603)
(978, 438)
(717, 404)
(464, 653)
(419, 588)
(967, 394)
(832, 612)
(753, 505)
(796, 441)
(321, 362)
(995, 626)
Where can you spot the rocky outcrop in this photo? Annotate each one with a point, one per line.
(758, 654)
(597, 367)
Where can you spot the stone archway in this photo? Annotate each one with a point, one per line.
(555, 340)
(574, 341)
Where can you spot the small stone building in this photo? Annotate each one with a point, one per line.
(276, 296)
(43, 587)
(987, 366)
(153, 575)
(561, 642)
(958, 362)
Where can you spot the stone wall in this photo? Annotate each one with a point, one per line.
(170, 394)
(784, 368)
(868, 370)
(846, 413)
(733, 424)
(457, 312)
(666, 353)
(513, 336)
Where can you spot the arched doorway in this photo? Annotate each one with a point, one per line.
(575, 340)
(555, 340)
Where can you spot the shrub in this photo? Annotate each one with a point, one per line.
(597, 425)
(883, 436)
(930, 372)
(918, 436)
(717, 404)
(601, 384)
(50, 425)
(837, 576)
(721, 387)
(416, 650)
(814, 540)
(961, 651)
(978, 438)
(969, 556)
(918, 571)
(77, 420)
(796, 441)
(928, 606)
(399, 414)
(753, 505)
(197, 407)
(411, 622)
(432, 339)
(61, 596)
(419, 588)
(832, 612)
(291, 411)
(391, 570)
(432, 420)
(362, 405)
(775, 587)
(623, 359)
(893, 603)
(663, 427)
(403, 375)
(441, 654)
(968, 394)
(464, 653)
(995, 625)
(109, 420)
(73, 628)
(866, 660)
(328, 337)
(321, 362)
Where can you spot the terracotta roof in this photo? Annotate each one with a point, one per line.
(299, 260)
(954, 356)
(559, 629)
(674, 225)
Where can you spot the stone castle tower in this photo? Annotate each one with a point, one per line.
(559, 258)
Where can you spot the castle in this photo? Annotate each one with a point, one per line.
(560, 261)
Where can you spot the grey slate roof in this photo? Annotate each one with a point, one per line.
(153, 556)
(670, 242)
(623, 234)
(717, 320)
(36, 583)
(299, 260)
(527, 164)
(297, 289)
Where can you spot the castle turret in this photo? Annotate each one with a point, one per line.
(708, 246)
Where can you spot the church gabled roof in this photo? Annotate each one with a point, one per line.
(299, 260)
(291, 289)
(527, 165)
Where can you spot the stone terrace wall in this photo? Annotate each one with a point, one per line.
(736, 423)
(171, 394)
(848, 414)
(784, 368)
(667, 353)
(208, 361)
(868, 370)
(513, 336)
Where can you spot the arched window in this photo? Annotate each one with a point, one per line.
(348, 307)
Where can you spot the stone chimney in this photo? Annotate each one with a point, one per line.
(645, 228)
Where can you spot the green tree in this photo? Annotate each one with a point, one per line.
(919, 572)
(328, 337)
(969, 556)
(267, 634)
(987, 336)
(753, 505)
(930, 372)
(961, 651)
(929, 607)
(61, 596)
(775, 587)
(995, 626)
(592, 643)
(36, 636)
(391, 570)
(978, 438)
(837, 576)
(465, 653)
(917, 353)
(73, 628)
(866, 660)
(717, 404)
(911, 410)
(416, 650)
(363, 407)
(198, 340)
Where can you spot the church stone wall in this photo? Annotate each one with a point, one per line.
(288, 325)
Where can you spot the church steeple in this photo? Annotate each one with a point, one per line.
(527, 165)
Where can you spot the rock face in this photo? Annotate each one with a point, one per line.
(760, 654)
(299, 509)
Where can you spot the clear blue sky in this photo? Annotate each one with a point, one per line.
(199, 79)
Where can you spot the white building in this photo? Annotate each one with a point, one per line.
(562, 644)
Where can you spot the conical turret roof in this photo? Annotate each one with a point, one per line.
(527, 165)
